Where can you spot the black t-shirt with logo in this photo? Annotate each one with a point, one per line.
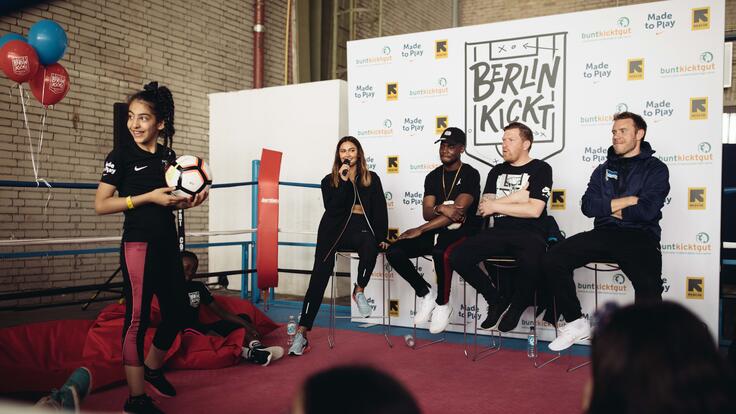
(134, 171)
(467, 182)
(197, 294)
(505, 179)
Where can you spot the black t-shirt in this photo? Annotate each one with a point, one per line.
(467, 182)
(197, 294)
(505, 179)
(134, 171)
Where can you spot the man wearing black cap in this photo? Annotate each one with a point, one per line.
(450, 191)
(515, 195)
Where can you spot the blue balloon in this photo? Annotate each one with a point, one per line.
(10, 36)
(49, 40)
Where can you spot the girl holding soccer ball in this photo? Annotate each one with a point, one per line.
(149, 253)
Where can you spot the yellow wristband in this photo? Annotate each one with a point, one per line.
(129, 202)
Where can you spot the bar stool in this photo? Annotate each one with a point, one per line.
(333, 314)
(611, 266)
(444, 333)
(507, 262)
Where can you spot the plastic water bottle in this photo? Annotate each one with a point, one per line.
(531, 343)
(291, 330)
(409, 340)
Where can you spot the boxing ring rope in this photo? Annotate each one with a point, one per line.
(245, 245)
(246, 256)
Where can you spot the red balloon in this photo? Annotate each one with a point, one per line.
(18, 60)
(50, 84)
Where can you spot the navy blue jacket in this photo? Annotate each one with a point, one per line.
(643, 176)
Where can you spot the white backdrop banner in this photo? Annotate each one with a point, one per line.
(565, 76)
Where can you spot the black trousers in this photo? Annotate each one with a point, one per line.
(152, 267)
(636, 252)
(358, 237)
(400, 253)
(526, 247)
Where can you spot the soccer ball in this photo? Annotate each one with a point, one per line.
(190, 175)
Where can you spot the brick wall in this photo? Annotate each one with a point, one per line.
(115, 46)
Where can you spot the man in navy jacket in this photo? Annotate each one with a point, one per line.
(625, 195)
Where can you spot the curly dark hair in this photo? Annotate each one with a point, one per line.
(161, 101)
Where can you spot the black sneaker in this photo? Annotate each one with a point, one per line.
(159, 383)
(511, 318)
(495, 311)
(141, 404)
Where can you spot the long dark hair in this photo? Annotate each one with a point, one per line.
(161, 102)
(362, 166)
(658, 359)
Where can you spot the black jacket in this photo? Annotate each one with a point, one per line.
(338, 209)
(643, 176)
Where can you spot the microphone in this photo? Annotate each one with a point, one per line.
(345, 172)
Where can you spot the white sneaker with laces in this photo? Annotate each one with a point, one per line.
(425, 305)
(574, 331)
(440, 318)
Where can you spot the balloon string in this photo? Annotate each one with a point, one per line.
(43, 128)
(30, 144)
(28, 130)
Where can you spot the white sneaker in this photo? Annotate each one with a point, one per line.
(425, 305)
(440, 318)
(574, 331)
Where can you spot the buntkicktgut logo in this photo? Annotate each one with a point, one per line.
(659, 22)
(617, 30)
(382, 57)
(439, 88)
(616, 285)
(700, 18)
(519, 79)
(20, 65)
(700, 245)
(603, 117)
(689, 65)
(383, 130)
(423, 167)
(700, 154)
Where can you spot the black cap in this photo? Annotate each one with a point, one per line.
(453, 136)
